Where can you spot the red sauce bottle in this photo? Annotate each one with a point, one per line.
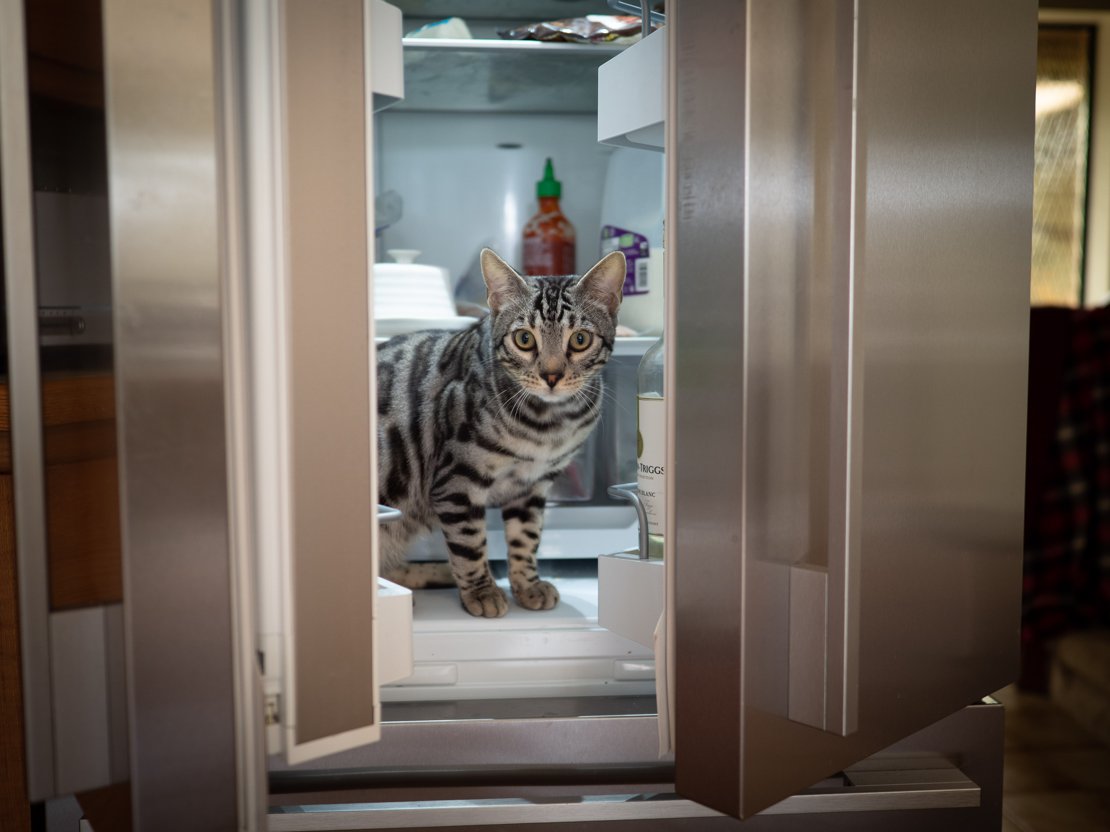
(549, 236)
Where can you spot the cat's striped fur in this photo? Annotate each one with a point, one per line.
(476, 418)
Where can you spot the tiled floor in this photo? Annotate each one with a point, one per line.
(1056, 776)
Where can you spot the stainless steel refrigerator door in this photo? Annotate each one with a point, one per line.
(319, 364)
(243, 349)
(299, 336)
(167, 267)
(850, 212)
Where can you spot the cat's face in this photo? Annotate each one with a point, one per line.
(553, 334)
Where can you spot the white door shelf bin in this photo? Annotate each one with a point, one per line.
(395, 631)
(630, 595)
(631, 95)
(387, 69)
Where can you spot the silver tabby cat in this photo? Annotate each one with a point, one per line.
(489, 417)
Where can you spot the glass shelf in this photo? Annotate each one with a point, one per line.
(502, 76)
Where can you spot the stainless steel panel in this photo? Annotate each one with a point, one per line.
(706, 294)
(24, 391)
(234, 61)
(971, 738)
(166, 213)
(328, 239)
(918, 790)
(920, 454)
(913, 786)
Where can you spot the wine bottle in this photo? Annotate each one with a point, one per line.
(651, 445)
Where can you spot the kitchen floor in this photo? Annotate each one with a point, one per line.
(1056, 776)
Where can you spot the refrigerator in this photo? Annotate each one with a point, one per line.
(847, 199)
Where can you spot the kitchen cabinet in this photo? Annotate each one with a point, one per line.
(81, 590)
(847, 225)
(63, 629)
(82, 487)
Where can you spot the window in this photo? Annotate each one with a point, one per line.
(1062, 150)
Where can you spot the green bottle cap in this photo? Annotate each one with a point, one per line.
(549, 185)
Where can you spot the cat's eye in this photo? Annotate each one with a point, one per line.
(580, 339)
(524, 339)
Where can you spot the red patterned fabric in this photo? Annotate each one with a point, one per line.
(1067, 537)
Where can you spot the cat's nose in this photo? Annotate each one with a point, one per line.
(552, 379)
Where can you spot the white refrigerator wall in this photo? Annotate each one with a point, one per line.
(468, 180)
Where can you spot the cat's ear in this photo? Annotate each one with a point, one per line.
(503, 285)
(604, 283)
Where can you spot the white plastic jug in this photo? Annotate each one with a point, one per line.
(633, 202)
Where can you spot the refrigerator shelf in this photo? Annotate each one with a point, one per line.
(486, 75)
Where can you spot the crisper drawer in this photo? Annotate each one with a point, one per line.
(501, 774)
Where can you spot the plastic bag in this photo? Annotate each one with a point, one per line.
(593, 28)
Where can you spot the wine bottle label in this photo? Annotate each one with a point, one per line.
(651, 454)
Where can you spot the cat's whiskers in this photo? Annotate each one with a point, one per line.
(610, 395)
(514, 402)
(505, 398)
(598, 400)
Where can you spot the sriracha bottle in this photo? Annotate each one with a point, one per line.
(549, 236)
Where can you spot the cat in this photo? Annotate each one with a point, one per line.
(490, 416)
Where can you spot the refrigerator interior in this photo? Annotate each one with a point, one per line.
(466, 177)
(467, 180)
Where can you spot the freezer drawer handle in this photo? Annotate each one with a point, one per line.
(388, 514)
(877, 785)
(630, 492)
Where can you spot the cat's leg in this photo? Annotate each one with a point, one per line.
(523, 525)
(421, 575)
(462, 515)
(393, 543)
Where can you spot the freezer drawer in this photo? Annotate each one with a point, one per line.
(948, 776)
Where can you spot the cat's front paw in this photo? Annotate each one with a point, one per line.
(485, 602)
(536, 596)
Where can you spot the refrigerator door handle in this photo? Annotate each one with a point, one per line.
(824, 614)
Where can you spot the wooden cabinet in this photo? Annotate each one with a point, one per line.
(82, 488)
(82, 491)
(14, 809)
(83, 542)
